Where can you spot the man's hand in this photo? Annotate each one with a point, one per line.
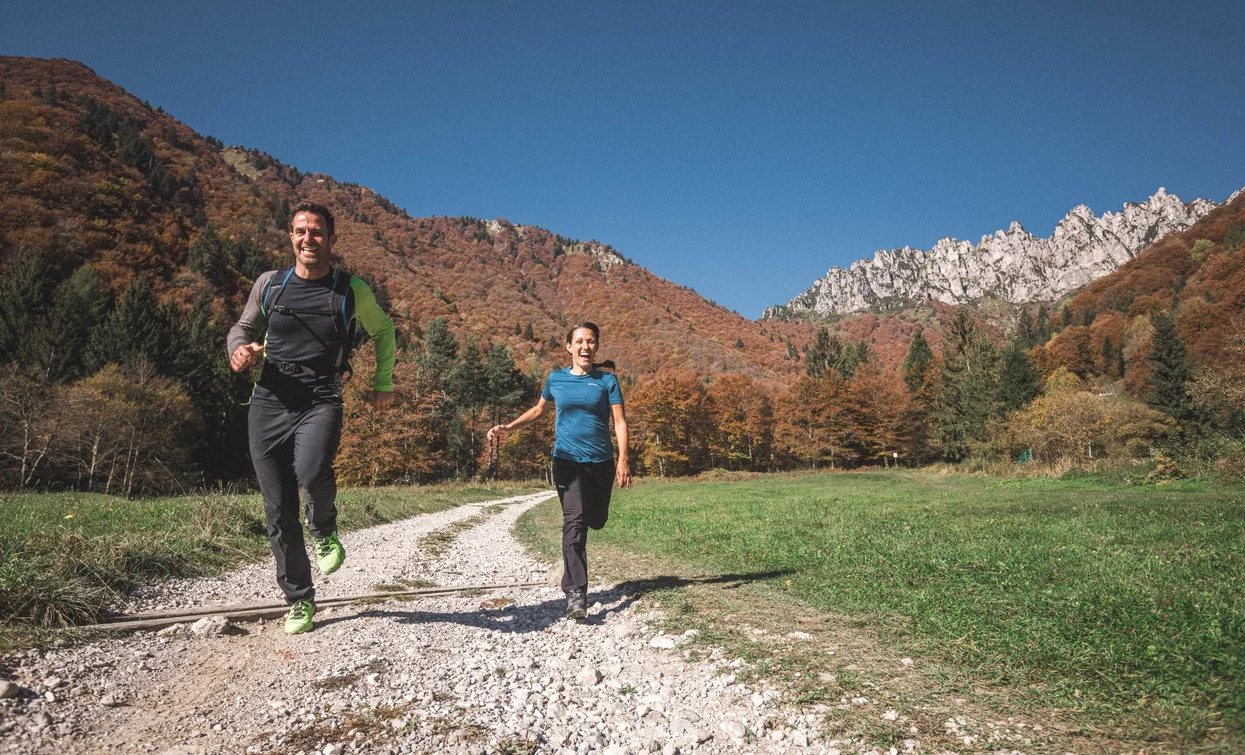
(497, 431)
(246, 356)
(381, 400)
(623, 474)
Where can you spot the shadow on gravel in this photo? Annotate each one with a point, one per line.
(537, 617)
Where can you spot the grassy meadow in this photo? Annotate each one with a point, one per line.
(1120, 602)
(63, 556)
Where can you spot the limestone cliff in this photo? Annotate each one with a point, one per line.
(1013, 265)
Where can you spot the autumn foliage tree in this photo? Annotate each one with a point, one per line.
(742, 418)
(671, 425)
(813, 421)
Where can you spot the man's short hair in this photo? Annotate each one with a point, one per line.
(315, 209)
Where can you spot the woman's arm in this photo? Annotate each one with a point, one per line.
(524, 419)
(623, 473)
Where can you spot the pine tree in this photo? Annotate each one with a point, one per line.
(136, 328)
(61, 337)
(212, 387)
(916, 362)
(528, 335)
(1169, 371)
(507, 387)
(1234, 238)
(467, 386)
(816, 358)
(1108, 355)
(1019, 379)
(1026, 330)
(252, 259)
(1041, 325)
(208, 255)
(965, 394)
(439, 355)
(25, 294)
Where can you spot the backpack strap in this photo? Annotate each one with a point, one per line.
(348, 331)
(263, 306)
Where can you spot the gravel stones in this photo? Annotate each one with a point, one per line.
(210, 626)
(459, 674)
(8, 689)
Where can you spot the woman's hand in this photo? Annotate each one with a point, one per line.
(623, 474)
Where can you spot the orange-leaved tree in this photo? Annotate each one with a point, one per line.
(671, 425)
(743, 424)
(812, 418)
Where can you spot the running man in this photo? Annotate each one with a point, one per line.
(297, 326)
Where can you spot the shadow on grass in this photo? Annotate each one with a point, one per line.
(537, 617)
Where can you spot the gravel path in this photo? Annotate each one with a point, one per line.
(488, 673)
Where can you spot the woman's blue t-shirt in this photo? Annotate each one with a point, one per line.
(582, 430)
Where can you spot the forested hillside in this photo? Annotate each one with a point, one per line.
(125, 236)
(128, 244)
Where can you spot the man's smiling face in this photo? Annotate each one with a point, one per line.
(312, 244)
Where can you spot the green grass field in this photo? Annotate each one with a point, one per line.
(1115, 601)
(64, 556)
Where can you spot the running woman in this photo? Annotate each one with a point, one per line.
(585, 397)
(297, 326)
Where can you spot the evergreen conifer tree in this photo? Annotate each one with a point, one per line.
(1041, 325)
(25, 294)
(440, 353)
(817, 356)
(61, 337)
(208, 255)
(1019, 379)
(1169, 371)
(965, 397)
(916, 362)
(138, 327)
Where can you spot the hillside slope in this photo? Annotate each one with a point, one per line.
(91, 174)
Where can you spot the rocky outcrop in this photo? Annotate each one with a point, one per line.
(1013, 265)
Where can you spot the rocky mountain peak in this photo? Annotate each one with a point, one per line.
(1012, 264)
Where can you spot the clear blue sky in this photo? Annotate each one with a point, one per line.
(737, 148)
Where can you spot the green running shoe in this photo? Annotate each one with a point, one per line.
(298, 620)
(329, 554)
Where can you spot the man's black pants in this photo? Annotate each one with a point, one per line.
(584, 489)
(294, 448)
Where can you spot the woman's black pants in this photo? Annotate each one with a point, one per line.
(584, 489)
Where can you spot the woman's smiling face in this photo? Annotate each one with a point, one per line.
(583, 348)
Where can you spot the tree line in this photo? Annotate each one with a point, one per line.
(129, 395)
